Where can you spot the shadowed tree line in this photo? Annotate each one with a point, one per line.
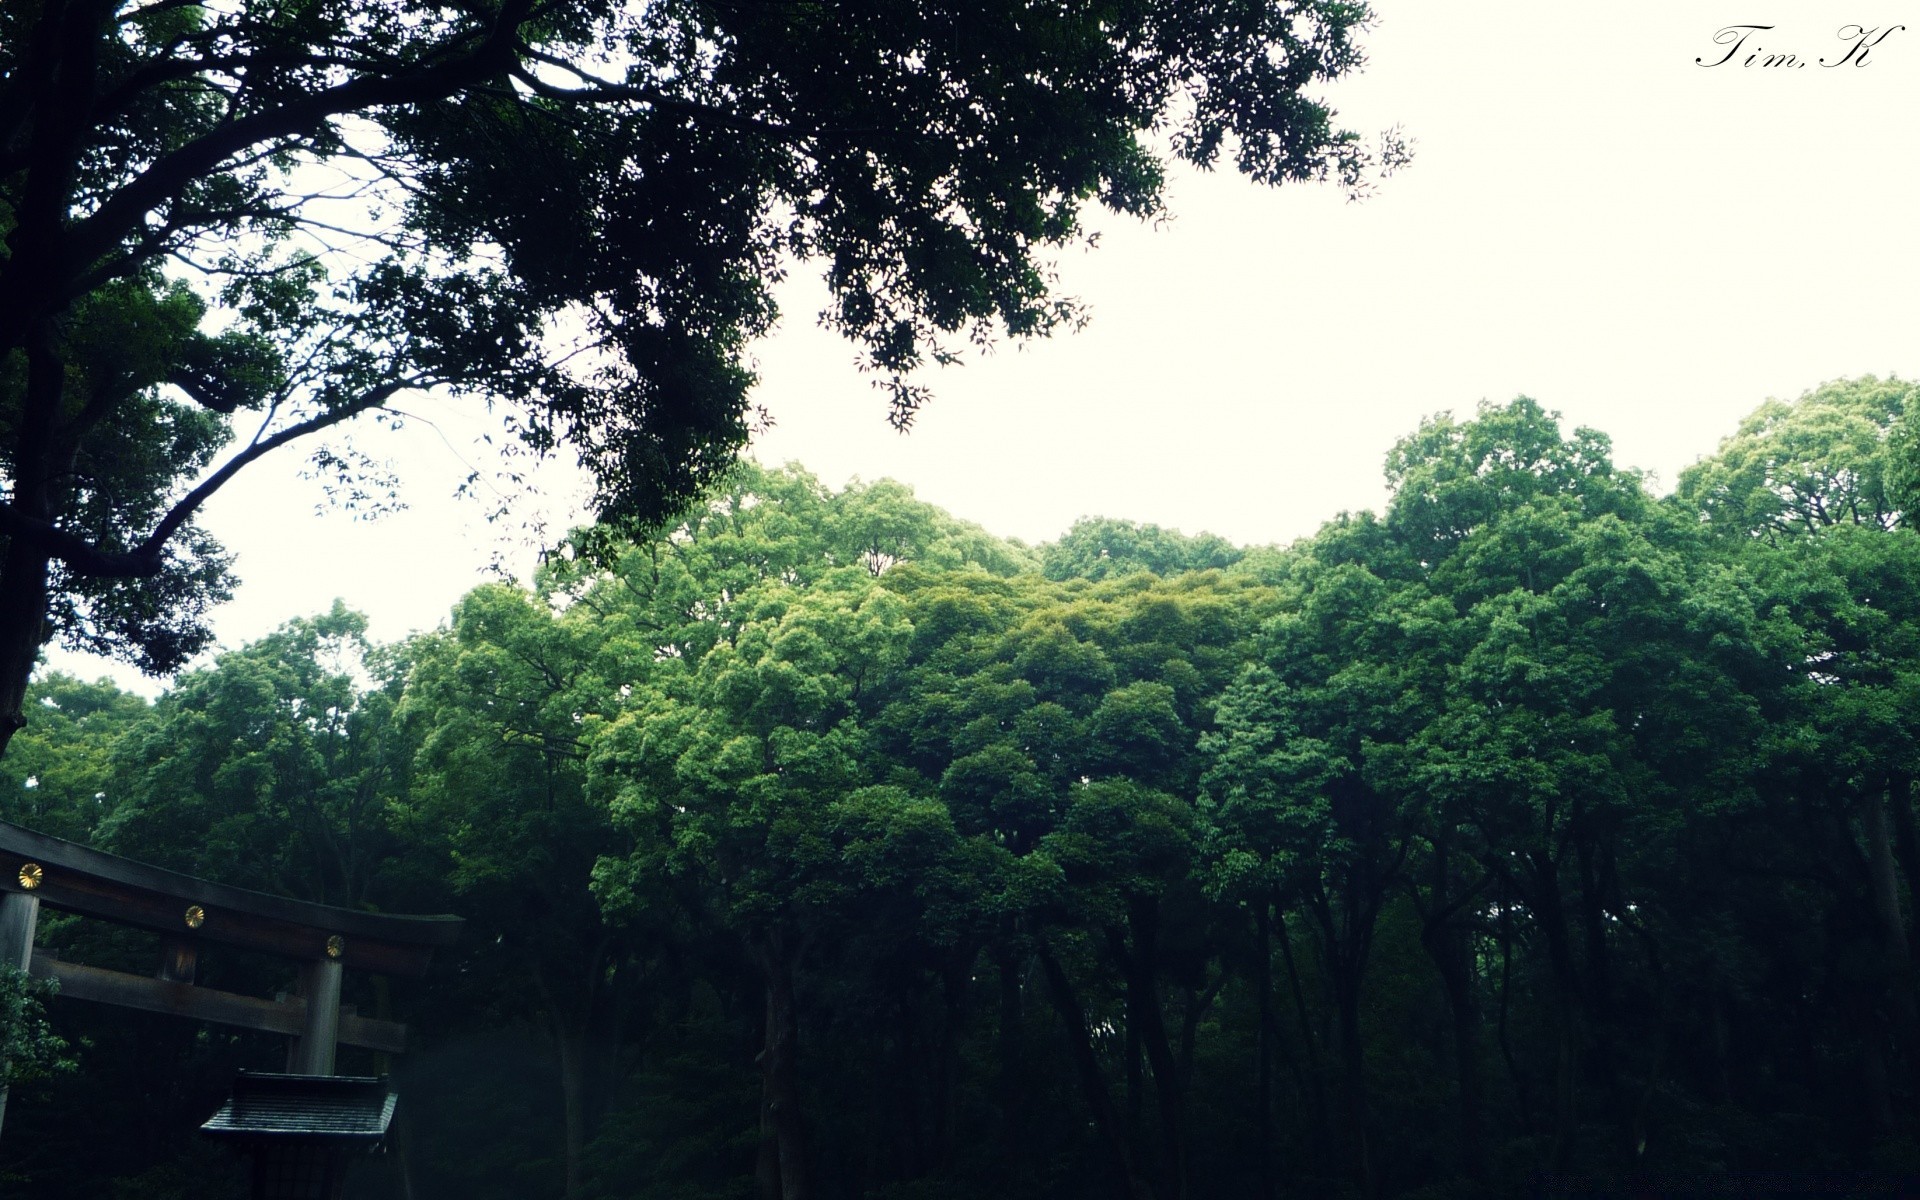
(830, 846)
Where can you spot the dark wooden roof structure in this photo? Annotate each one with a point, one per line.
(303, 1131)
(343, 1108)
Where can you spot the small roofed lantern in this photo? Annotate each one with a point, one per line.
(303, 1131)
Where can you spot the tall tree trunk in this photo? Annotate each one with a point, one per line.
(1875, 1089)
(1345, 935)
(1450, 948)
(1565, 1092)
(1135, 1093)
(25, 565)
(1884, 881)
(1143, 990)
(23, 617)
(1503, 929)
(947, 1069)
(909, 1069)
(1314, 1072)
(1878, 824)
(782, 1134)
(570, 1029)
(1601, 1062)
(1093, 1085)
(573, 1092)
(1550, 910)
(1353, 1076)
(1015, 1128)
(1447, 945)
(1905, 841)
(1263, 1072)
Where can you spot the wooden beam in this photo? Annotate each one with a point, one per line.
(77, 879)
(371, 1033)
(286, 1016)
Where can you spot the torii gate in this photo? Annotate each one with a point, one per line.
(36, 869)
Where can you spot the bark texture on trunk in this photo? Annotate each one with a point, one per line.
(25, 565)
(23, 609)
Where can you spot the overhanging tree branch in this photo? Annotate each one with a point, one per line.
(184, 509)
(148, 558)
(95, 236)
(523, 188)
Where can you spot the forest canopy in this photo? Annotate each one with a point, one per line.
(829, 845)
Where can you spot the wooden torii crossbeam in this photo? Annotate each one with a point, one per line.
(187, 912)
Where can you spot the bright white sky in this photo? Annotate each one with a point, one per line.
(1648, 246)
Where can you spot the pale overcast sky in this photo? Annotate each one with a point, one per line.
(1647, 245)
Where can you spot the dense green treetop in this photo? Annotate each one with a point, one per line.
(822, 844)
(60, 777)
(1100, 548)
(273, 768)
(1806, 498)
(1795, 467)
(1450, 478)
(681, 588)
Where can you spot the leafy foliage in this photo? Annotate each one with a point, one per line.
(1792, 469)
(572, 213)
(824, 844)
(274, 766)
(1101, 549)
(28, 1046)
(60, 776)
